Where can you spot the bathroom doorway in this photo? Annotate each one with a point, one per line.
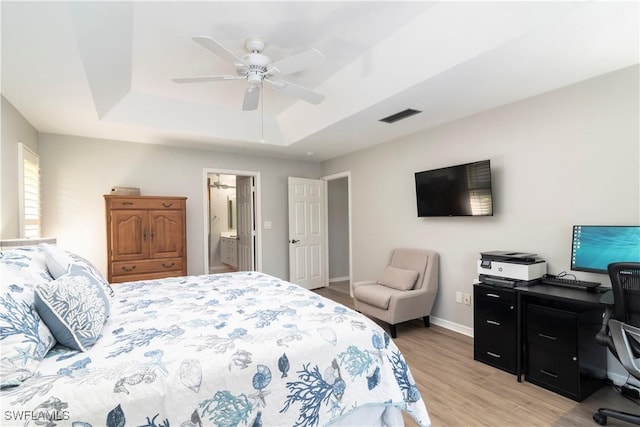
(230, 215)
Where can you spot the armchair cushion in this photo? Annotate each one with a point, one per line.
(398, 278)
(375, 295)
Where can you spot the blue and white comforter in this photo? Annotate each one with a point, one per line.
(239, 349)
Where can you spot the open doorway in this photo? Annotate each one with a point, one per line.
(232, 242)
(223, 223)
(339, 231)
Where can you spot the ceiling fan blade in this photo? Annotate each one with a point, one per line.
(215, 47)
(296, 91)
(300, 61)
(251, 98)
(205, 79)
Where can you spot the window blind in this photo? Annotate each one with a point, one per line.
(30, 193)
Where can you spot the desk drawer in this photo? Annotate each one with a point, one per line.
(495, 339)
(494, 327)
(494, 315)
(552, 349)
(549, 368)
(500, 354)
(499, 295)
(551, 324)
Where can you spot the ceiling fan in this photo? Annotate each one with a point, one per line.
(257, 68)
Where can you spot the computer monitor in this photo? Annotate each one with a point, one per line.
(594, 247)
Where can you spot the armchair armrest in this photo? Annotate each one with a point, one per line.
(354, 285)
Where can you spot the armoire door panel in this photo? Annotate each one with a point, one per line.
(129, 235)
(166, 234)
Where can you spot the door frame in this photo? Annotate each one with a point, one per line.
(339, 175)
(256, 209)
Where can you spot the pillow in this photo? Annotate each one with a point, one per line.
(29, 262)
(75, 307)
(24, 337)
(398, 278)
(58, 262)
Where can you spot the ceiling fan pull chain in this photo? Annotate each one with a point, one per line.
(262, 111)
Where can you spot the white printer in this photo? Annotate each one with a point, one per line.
(510, 269)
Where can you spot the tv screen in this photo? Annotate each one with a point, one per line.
(594, 247)
(461, 190)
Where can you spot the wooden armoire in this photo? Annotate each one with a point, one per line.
(146, 237)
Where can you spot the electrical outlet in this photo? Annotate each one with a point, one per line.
(467, 299)
(459, 297)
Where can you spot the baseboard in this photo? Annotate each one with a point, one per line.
(456, 327)
(339, 279)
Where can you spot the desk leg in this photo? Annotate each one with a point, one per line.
(519, 333)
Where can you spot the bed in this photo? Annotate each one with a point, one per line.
(233, 349)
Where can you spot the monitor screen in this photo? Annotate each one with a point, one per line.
(594, 247)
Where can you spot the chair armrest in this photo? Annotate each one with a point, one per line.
(413, 293)
(603, 336)
(355, 285)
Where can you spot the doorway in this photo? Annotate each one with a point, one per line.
(231, 212)
(339, 230)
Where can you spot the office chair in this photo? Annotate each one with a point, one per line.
(621, 329)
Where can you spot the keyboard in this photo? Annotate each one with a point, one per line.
(569, 283)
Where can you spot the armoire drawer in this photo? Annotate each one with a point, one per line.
(146, 203)
(124, 268)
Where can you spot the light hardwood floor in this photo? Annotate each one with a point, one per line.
(461, 392)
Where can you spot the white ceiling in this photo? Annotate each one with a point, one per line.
(104, 69)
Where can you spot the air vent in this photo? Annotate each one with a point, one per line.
(401, 115)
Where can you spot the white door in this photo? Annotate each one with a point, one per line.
(307, 234)
(246, 223)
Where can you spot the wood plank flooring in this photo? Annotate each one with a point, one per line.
(460, 391)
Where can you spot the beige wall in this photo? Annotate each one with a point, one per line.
(567, 157)
(15, 129)
(78, 171)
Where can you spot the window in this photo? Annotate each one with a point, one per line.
(29, 190)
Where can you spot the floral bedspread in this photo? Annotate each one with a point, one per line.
(237, 349)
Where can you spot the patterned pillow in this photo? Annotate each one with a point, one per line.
(24, 337)
(27, 262)
(74, 307)
(58, 262)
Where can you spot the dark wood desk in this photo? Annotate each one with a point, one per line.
(555, 339)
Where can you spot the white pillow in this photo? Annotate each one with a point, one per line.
(398, 278)
(59, 261)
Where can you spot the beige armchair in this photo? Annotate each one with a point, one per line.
(406, 290)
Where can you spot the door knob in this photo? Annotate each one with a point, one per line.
(294, 241)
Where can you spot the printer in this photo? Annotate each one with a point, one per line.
(510, 269)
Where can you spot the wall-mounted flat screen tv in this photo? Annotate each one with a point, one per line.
(461, 190)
